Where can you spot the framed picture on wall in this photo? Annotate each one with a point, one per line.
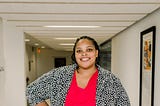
(147, 61)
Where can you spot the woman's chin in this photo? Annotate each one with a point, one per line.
(86, 66)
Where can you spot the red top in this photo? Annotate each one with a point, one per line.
(82, 96)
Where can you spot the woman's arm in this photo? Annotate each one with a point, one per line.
(40, 90)
(122, 97)
(44, 103)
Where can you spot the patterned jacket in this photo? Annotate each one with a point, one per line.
(55, 84)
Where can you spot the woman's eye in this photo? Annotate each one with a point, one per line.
(78, 51)
(89, 50)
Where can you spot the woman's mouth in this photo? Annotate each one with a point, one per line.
(84, 59)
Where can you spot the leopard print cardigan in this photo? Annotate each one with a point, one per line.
(55, 84)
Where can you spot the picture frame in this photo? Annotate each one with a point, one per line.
(147, 68)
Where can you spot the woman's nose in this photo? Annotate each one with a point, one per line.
(84, 53)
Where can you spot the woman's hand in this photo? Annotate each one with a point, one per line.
(44, 103)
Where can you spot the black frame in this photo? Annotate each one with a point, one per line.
(147, 68)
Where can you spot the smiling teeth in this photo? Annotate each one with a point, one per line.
(84, 59)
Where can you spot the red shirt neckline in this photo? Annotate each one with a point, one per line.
(78, 96)
(91, 80)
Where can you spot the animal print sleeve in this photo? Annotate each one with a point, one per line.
(122, 97)
(40, 89)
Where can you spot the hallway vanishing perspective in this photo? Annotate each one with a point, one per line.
(37, 36)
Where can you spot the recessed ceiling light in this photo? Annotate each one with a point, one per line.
(27, 40)
(36, 44)
(73, 26)
(43, 47)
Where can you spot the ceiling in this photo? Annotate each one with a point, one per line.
(112, 17)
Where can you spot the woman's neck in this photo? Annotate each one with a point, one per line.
(86, 71)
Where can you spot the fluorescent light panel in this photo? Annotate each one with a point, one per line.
(72, 26)
(36, 44)
(65, 38)
(67, 47)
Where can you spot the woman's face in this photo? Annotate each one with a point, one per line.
(85, 54)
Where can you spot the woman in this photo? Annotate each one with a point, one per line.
(84, 83)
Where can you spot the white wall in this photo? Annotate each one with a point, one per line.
(2, 73)
(13, 42)
(126, 57)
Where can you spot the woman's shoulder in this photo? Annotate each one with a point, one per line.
(104, 71)
(107, 75)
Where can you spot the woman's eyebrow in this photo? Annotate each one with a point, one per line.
(90, 46)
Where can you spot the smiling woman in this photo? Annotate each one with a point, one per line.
(84, 83)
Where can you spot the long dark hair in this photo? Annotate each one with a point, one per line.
(94, 43)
